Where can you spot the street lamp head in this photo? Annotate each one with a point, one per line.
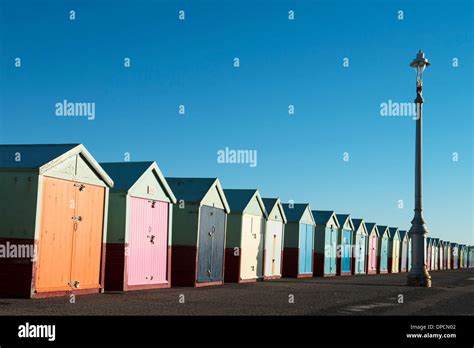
(419, 63)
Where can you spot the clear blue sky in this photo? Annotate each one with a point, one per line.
(300, 157)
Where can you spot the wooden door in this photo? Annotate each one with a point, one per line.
(56, 235)
(88, 233)
(148, 242)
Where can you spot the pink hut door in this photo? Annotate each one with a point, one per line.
(373, 253)
(147, 242)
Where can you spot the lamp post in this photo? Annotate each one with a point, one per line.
(418, 275)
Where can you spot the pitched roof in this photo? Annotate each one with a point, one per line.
(322, 217)
(342, 218)
(382, 229)
(125, 174)
(43, 157)
(357, 223)
(238, 199)
(392, 231)
(371, 226)
(32, 156)
(403, 233)
(270, 203)
(191, 190)
(295, 213)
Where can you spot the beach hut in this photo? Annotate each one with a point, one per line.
(345, 231)
(403, 267)
(53, 213)
(409, 251)
(435, 254)
(429, 253)
(325, 243)
(382, 255)
(138, 245)
(274, 232)
(393, 250)
(441, 255)
(199, 227)
(372, 247)
(471, 257)
(462, 256)
(359, 237)
(245, 236)
(447, 255)
(454, 256)
(298, 241)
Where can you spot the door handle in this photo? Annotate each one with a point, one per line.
(77, 218)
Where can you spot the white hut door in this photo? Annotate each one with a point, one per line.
(273, 248)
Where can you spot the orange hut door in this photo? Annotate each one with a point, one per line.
(69, 252)
(56, 238)
(87, 231)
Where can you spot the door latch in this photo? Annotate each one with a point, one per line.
(152, 239)
(74, 284)
(77, 218)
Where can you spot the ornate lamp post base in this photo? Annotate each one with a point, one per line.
(422, 280)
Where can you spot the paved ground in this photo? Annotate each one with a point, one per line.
(452, 294)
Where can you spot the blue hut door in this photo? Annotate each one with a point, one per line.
(305, 248)
(346, 251)
(384, 254)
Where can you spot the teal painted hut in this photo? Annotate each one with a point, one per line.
(383, 249)
(360, 247)
(325, 243)
(345, 234)
(298, 241)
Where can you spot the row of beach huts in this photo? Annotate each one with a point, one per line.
(123, 226)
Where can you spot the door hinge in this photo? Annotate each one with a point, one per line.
(81, 186)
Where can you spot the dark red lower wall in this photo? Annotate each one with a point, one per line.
(318, 264)
(232, 266)
(183, 265)
(16, 274)
(114, 267)
(290, 262)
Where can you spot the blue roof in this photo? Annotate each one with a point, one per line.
(125, 174)
(402, 234)
(296, 213)
(370, 226)
(357, 223)
(381, 229)
(322, 216)
(392, 231)
(32, 156)
(190, 190)
(342, 218)
(238, 199)
(269, 203)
